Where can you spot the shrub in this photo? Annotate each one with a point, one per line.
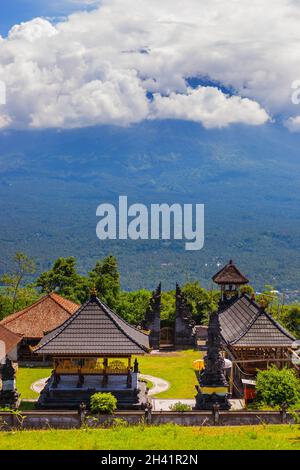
(104, 403)
(181, 407)
(276, 387)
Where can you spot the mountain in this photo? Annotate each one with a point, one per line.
(51, 183)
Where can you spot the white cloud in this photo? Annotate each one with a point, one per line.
(293, 124)
(209, 106)
(96, 67)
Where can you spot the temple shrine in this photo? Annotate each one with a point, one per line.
(93, 352)
(251, 338)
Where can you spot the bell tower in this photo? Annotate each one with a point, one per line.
(230, 279)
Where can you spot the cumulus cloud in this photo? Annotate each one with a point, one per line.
(293, 124)
(209, 106)
(127, 61)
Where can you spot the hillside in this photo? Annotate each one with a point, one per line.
(248, 178)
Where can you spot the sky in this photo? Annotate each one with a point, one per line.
(73, 63)
(16, 11)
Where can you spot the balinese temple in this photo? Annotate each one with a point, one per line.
(93, 352)
(184, 323)
(251, 337)
(177, 335)
(32, 323)
(213, 386)
(151, 322)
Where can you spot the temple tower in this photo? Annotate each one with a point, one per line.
(230, 279)
(184, 323)
(213, 386)
(152, 319)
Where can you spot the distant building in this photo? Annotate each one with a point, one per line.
(33, 322)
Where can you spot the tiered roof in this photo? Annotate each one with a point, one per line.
(94, 330)
(245, 324)
(43, 316)
(230, 274)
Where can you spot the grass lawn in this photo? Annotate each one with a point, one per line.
(176, 368)
(26, 376)
(167, 437)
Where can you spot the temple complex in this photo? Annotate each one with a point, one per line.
(93, 352)
(33, 322)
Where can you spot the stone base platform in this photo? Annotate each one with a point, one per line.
(68, 396)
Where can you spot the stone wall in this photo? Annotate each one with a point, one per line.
(72, 419)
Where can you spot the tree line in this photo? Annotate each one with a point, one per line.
(17, 292)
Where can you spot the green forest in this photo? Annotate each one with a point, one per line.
(18, 291)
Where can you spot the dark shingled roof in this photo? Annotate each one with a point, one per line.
(246, 324)
(94, 330)
(230, 274)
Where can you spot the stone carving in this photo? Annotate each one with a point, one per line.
(184, 323)
(213, 376)
(152, 318)
(9, 396)
(8, 371)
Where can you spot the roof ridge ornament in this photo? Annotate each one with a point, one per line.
(93, 293)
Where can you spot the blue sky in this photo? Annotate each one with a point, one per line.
(216, 63)
(15, 11)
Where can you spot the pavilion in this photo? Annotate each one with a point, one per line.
(92, 352)
(251, 337)
(33, 322)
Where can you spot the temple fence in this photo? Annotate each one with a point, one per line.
(73, 419)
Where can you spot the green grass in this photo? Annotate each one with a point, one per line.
(26, 376)
(176, 368)
(167, 437)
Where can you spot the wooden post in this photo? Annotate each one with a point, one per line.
(231, 378)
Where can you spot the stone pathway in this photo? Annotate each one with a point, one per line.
(159, 385)
(164, 405)
(39, 385)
